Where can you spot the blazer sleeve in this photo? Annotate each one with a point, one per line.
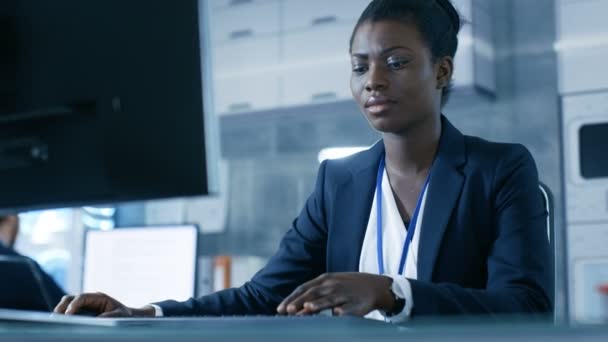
(519, 267)
(301, 257)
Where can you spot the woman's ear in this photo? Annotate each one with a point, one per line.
(445, 69)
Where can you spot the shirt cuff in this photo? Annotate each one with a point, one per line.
(158, 311)
(403, 289)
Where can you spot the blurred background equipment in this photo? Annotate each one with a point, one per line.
(142, 265)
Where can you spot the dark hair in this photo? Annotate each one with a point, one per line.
(437, 20)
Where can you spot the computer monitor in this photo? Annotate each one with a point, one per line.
(138, 266)
(102, 101)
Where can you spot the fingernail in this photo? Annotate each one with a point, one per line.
(291, 307)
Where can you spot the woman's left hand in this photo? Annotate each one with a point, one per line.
(345, 293)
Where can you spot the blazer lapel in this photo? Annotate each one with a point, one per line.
(353, 205)
(443, 193)
(354, 200)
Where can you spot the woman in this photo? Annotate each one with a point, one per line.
(456, 222)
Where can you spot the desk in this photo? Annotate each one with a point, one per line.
(309, 329)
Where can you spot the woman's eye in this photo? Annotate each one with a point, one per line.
(396, 64)
(359, 69)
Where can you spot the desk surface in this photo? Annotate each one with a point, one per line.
(308, 329)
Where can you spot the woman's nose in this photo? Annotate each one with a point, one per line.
(376, 80)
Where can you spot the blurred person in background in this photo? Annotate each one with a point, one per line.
(9, 230)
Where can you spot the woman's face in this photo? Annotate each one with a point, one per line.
(394, 79)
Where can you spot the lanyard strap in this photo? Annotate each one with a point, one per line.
(411, 229)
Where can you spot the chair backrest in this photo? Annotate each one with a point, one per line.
(548, 198)
(549, 206)
(25, 288)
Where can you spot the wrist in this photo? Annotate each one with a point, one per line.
(386, 299)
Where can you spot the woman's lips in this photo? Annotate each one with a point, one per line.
(378, 104)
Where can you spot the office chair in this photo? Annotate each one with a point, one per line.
(548, 201)
(549, 206)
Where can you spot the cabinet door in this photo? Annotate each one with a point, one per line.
(317, 43)
(583, 69)
(302, 14)
(317, 82)
(582, 45)
(247, 55)
(246, 93)
(582, 19)
(219, 4)
(243, 21)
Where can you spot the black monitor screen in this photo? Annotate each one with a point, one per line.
(100, 101)
(593, 146)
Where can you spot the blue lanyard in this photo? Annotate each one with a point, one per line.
(411, 229)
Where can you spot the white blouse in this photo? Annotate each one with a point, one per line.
(394, 233)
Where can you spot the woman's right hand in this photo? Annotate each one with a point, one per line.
(100, 305)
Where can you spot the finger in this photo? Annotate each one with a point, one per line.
(323, 303)
(313, 307)
(114, 314)
(282, 308)
(63, 304)
(95, 302)
(311, 295)
(349, 309)
(307, 309)
(304, 312)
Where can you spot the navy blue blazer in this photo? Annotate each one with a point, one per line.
(483, 246)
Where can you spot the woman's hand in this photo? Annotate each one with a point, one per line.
(345, 293)
(99, 304)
